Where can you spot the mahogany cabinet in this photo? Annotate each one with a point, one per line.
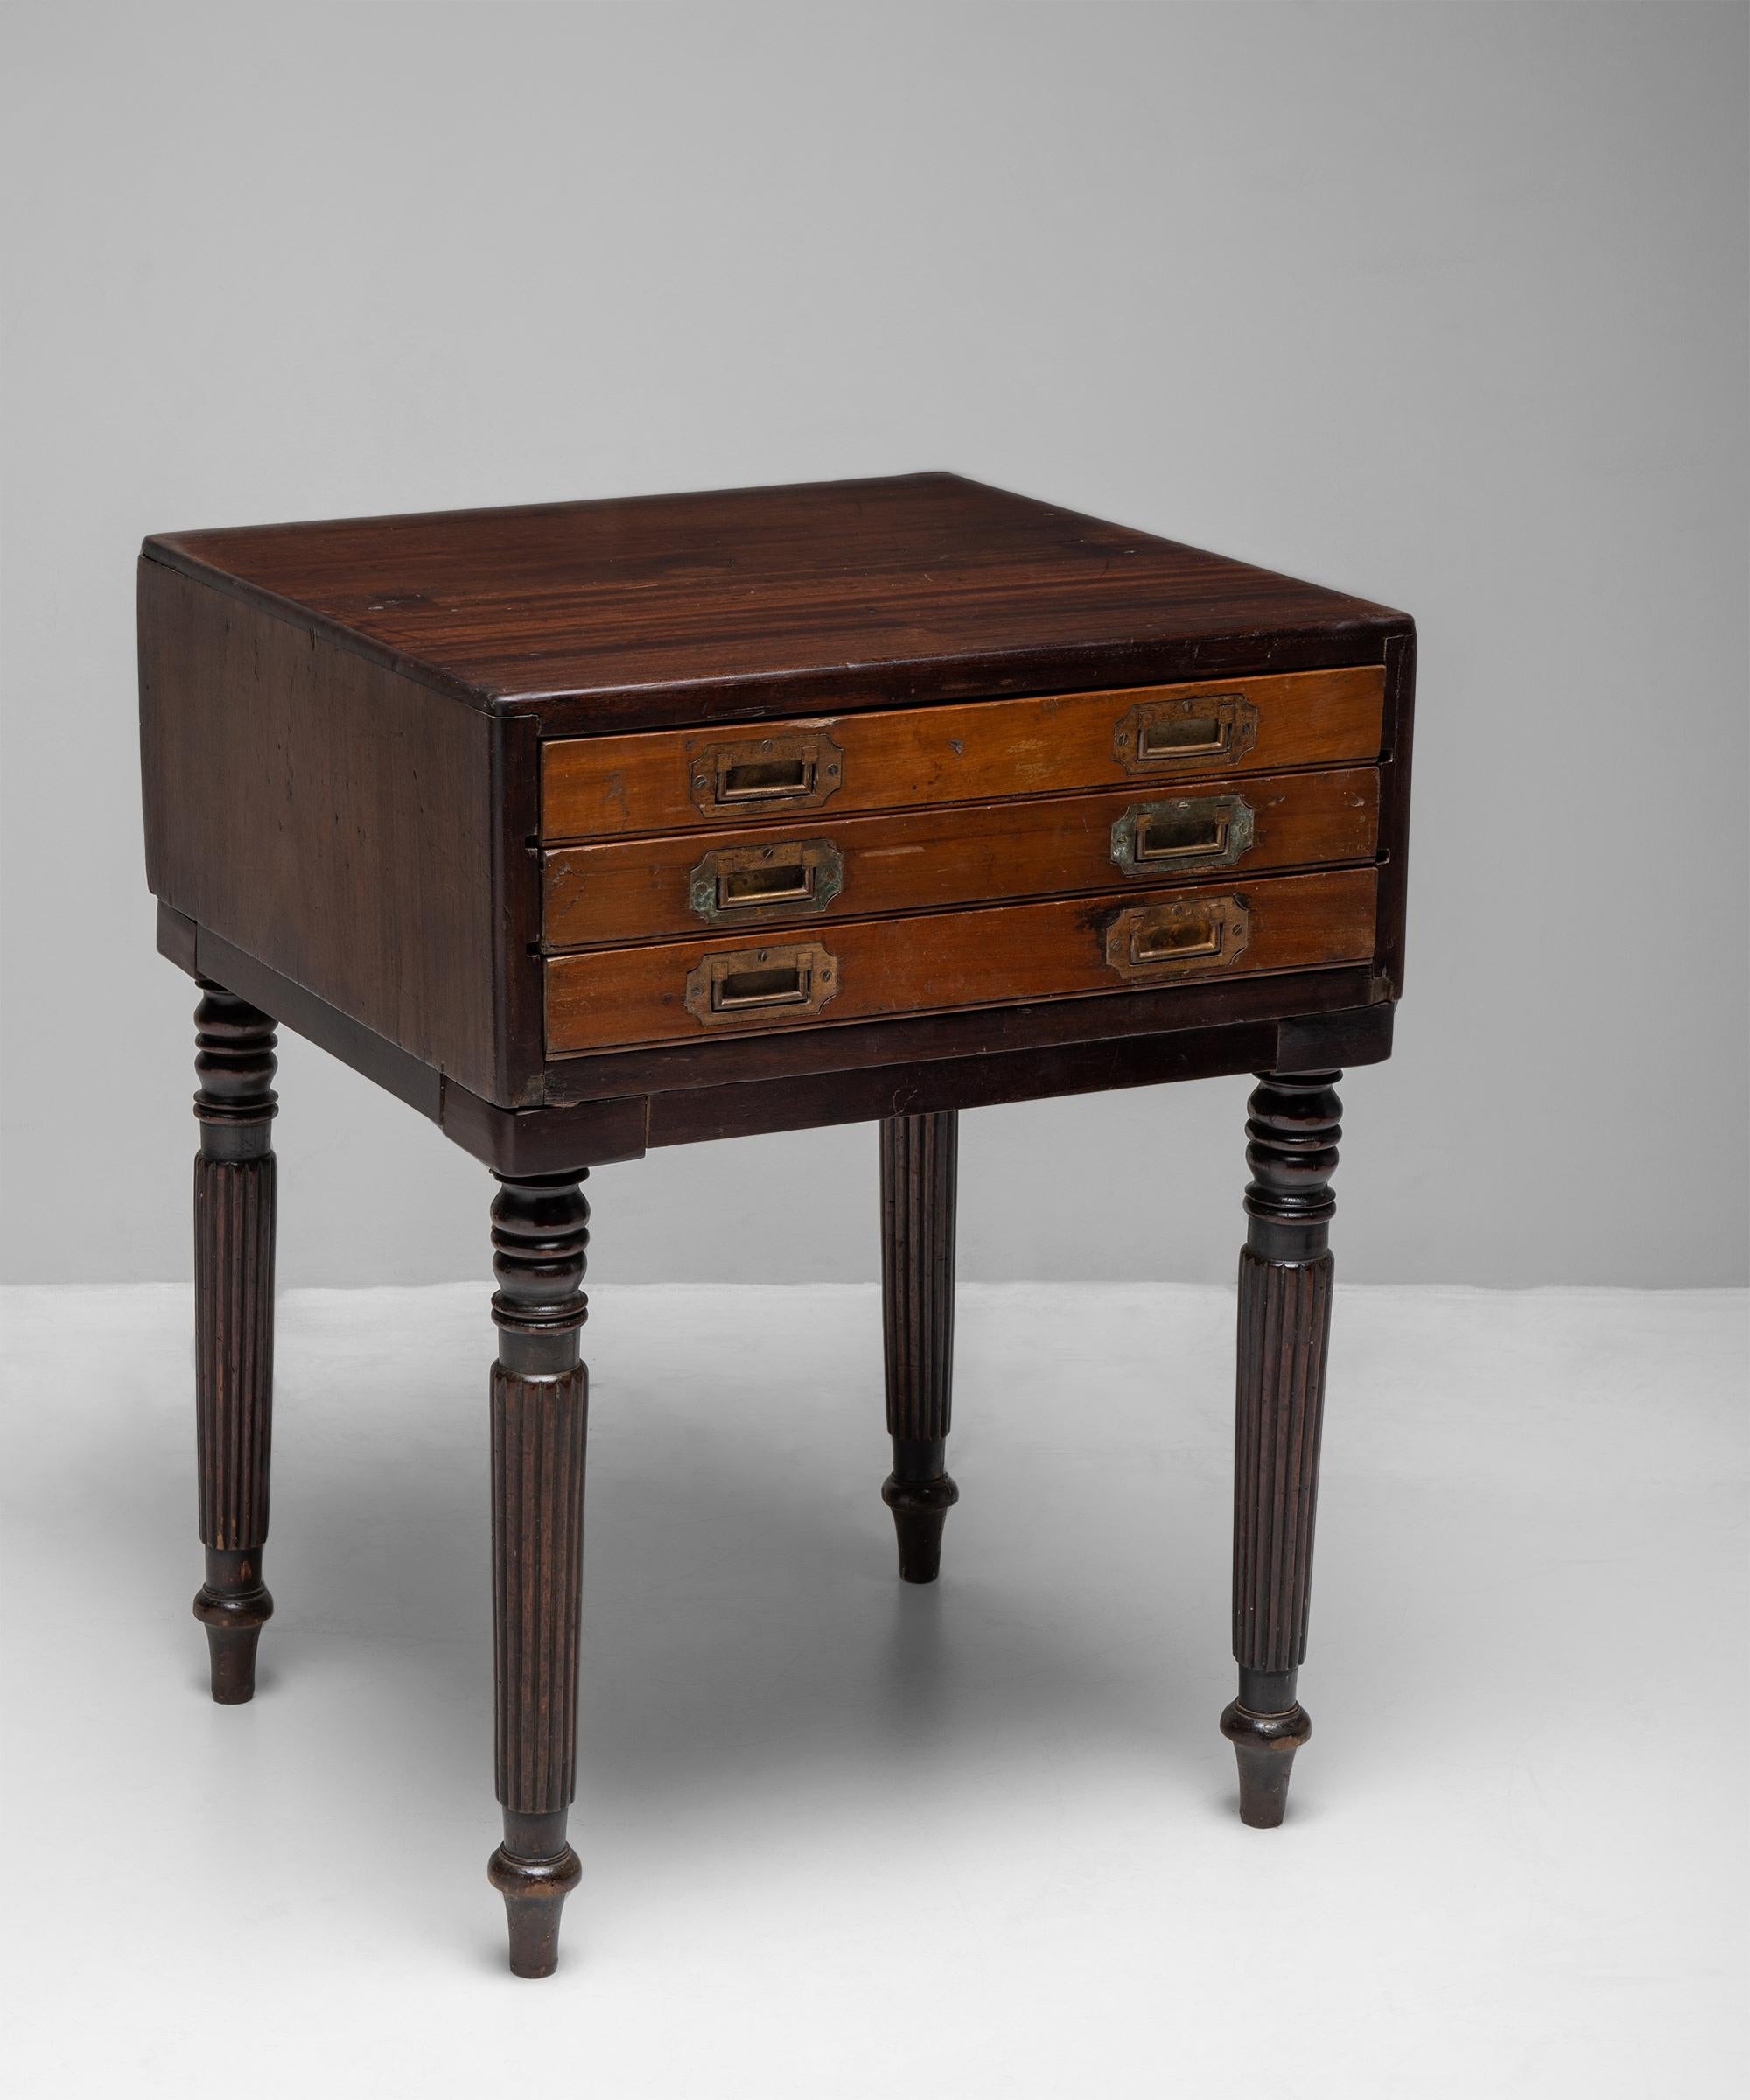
(593, 827)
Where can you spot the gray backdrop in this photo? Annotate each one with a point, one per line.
(1444, 305)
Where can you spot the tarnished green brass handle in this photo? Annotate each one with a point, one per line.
(1204, 831)
(745, 884)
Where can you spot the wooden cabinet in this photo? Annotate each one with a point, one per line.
(591, 828)
(475, 796)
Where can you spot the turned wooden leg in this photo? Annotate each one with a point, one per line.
(1284, 1323)
(234, 1327)
(540, 1413)
(919, 1155)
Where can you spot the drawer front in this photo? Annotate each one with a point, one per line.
(1146, 738)
(717, 883)
(869, 968)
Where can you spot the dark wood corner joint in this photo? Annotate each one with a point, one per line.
(992, 802)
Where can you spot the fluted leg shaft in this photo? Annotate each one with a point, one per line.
(539, 1415)
(234, 1323)
(919, 1161)
(1285, 1324)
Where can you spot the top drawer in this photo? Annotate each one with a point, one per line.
(981, 749)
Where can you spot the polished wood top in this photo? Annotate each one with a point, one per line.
(872, 593)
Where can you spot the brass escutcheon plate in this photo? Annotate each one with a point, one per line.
(756, 775)
(1182, 939)
(1199, 831)
(761, 987)
(1201, 730)
(744, 885)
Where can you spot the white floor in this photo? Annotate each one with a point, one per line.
(842, 1838)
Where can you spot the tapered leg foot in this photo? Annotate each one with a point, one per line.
(919, 1160)
(920, 1495)
(233, 1277)
(534, 1892)
(540, 1413)
(1284, 1326)
(233, 1604)
(1264, 1747)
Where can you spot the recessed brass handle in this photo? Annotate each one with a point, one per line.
(1181, 838)
(764, 773)
(740, 889)
(1205, 831)
(779, 881)
(1201, 730)
(1195, 933)
(764, 779)
(1183, 736)
(775, 984)
(1183, 942)
(747, 984)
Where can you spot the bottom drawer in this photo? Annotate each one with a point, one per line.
(865, 969)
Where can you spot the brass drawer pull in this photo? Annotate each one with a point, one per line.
(742, 887)
(1199, 933)
(1180, 942)
(780, 984)
(764, 779)
(749, 883)
(746, 779)
(744, 984)
(1209, 831)
(1213, 729)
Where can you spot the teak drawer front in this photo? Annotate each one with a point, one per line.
(867, 969)
(1148, 737)
(719, 883)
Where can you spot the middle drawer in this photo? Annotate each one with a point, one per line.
(921, 860)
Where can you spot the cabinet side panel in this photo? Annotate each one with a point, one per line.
(327, 815)
(1394, 816)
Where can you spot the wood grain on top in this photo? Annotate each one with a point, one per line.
(868, 592)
